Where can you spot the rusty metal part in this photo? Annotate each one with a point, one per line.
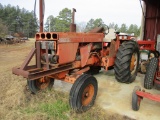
(73, 25)
(38, 55)
(148, 96)
(107, 62)
(97, 30)
(60, 75)
(62, 37)
(112, 51)
(87, 95)
(41, 72)
(42, 83)
(85, 52)
(146, 45)
(28, 59)
(71, 78)
(73, 15)
(41, 14)
(68, 53)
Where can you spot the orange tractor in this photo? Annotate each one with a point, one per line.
(71, 57)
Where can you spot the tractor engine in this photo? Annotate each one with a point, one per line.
(51, 56)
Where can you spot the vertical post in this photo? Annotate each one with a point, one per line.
(73, 26)
(49, 25)
(142, 32)
(73, 15)
(47, 58)
(41, 13)
(38, 55)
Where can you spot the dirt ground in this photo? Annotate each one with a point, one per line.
(112, 96)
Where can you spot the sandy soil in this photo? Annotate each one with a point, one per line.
(112, 96)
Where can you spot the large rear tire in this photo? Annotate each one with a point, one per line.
(127, 62)
(150, 73)
(40, 84)
(83, 93)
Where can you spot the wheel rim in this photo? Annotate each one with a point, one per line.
(133, 64)
(43, 82)
(87, 95)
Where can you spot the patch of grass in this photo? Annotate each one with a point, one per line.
(57, 110)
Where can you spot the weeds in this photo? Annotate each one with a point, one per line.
(56, 110)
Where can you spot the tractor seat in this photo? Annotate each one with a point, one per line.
(110, 36)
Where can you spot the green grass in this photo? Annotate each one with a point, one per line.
(57, 110)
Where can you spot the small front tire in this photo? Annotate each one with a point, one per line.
(136, 99)
(83, 93)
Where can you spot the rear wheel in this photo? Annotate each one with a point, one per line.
(150, 73)
(127, 62)
(136, 99)
(83, 93)
(40, 84)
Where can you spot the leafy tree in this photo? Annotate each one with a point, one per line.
(94, 23)
(18, 20)
(113, 25)
(62, 22)
(116, 27)
(90, 25)
(134, 29)
(50, 22)
(3, 29)
(123, 28)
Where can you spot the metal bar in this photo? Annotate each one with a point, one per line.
(47, 58)
(38, 55)
(41, 14)
(33, 76)
(148, 96)
(73, 14)
(18, 71)
(28, 59)
(30, 67)
(73, 37)
(146, 45)
(35, 70)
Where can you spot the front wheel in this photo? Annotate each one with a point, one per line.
(83, 93)
(40, 84)
(127, 62)
(136, 100)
